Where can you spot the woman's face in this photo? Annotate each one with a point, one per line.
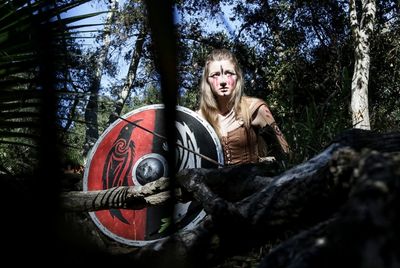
(222, 78)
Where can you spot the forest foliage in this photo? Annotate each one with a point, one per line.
(296, 55)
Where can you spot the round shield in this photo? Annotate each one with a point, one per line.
(132, 151)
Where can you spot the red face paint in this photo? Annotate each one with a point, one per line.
(222, 78)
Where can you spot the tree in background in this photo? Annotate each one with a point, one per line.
(91, 110)
(362, 26)
(296, 55)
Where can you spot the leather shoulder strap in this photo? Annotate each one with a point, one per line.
(255, 103)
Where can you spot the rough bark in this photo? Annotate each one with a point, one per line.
(362, 30)
(363, 233)
(135, 197)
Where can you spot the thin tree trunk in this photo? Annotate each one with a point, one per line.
(362, 30)
(92, 131)
(130, 77)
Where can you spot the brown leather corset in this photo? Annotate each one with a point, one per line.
(240, 146)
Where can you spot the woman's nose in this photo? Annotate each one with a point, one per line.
(222, 81)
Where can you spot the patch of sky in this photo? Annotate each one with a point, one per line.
(89, 34)
(88, 27)
(219, 22)
(223, 21)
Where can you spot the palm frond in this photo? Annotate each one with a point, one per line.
(27, 29)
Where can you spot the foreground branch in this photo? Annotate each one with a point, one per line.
(128, 197)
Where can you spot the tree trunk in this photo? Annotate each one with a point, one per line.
(92, 132)
(362, 30)
(130, 78)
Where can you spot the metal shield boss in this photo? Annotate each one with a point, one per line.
(129, 154)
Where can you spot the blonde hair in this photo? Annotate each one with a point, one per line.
(209, 104)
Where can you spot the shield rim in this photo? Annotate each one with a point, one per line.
(197, 219)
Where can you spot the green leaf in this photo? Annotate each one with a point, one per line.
(166, 222)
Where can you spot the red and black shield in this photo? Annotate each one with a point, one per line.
(132, 152)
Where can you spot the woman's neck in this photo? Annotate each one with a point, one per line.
(223, 106)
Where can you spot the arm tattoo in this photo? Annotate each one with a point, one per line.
(276, 129)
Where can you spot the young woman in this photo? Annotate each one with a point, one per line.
(239, 120)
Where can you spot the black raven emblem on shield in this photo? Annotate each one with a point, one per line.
(118, 164)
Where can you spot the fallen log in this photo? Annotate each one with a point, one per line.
(250, 205)
(363, 233)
